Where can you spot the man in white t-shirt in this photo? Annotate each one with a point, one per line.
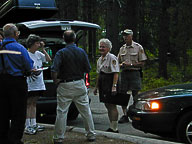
(35, 82)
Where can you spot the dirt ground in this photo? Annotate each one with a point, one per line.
(72, 137)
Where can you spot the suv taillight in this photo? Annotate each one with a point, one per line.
(87, 80)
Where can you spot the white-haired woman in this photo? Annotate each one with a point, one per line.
(107, 69)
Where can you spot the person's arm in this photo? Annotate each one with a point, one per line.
(138, 64)
(55, 68)
(28, 62)
(119, 60)
(47, 57)
(115, 79)
(141, 58)
(54, 77)
(134, 65)
(87, 65)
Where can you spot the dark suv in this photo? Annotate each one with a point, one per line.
(17, 11)
(51, 32)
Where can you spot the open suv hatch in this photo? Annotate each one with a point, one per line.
(51, 32)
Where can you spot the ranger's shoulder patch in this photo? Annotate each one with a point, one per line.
(114, 62)
(142, 50)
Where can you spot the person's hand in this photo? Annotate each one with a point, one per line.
(114, 90)
(125, 64)
(34, 75)
(56, 81)
(95, 91)
(42, 44)
(122, 64)
(36, 72)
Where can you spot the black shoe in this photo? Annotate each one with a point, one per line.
(91, 138)
(110, 130)
(58, 141)
(124, 119)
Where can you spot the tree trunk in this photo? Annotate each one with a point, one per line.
(163, 39)
(112, 31)
(130, 16)
(68, 9)
(85, 8)
(141, 24)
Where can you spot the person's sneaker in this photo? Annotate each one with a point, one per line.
(38, 128)
(91, 138)
(124, 119)
(110, 130)
(30, 131)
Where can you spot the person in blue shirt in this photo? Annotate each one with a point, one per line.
(68, 69)
(14, 63)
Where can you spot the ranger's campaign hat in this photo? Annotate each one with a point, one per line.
(127, 32)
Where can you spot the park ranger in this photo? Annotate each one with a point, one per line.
(131, 59)
(108, 69)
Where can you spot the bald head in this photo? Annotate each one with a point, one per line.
(10, 30)
(69, 36)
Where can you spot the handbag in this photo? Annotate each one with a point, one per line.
(120, 99)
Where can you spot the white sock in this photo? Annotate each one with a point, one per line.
(27, 122)
(114, 125)
(33, 121)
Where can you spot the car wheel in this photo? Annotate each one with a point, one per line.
(184, 128)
